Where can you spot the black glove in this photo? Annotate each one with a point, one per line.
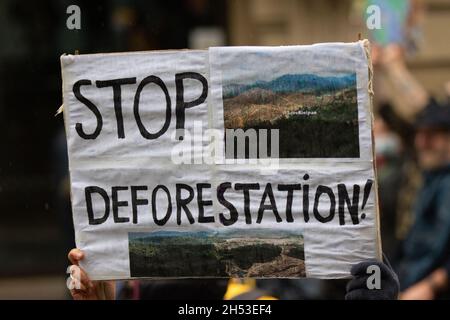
(357, 287)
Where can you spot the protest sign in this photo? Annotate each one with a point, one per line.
(227, 162)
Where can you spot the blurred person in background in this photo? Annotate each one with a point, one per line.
(389, 160)
(399, 177)
(399, 39)
(424, 266)
(447, 91)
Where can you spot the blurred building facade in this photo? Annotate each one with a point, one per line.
(284, 22)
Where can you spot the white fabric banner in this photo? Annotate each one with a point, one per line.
(227, 162)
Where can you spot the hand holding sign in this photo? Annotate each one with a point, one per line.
(81, 287)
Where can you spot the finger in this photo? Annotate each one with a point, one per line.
(360, 269)
(76, 287)
(78, 274)
(387, 291)
(75, 255)
(366, 294)
(110, 290)
(358, 282)
(359, 294)
(78, 295)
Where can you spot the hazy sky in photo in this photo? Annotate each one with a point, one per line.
(245, 65)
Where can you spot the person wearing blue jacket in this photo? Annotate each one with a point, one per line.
(424, 266)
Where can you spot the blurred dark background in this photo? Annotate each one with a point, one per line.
(35, 226)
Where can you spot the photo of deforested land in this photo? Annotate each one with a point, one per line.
(317, 116)
(255, 253)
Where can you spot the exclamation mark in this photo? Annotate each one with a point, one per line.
(367, 189)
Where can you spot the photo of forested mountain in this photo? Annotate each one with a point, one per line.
(228, 253)
(317, 116)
